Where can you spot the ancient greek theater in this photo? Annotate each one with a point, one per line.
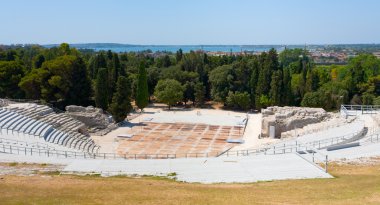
(198, 145)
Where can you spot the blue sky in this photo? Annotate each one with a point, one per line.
(196, 22)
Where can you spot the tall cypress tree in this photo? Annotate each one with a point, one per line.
(99, 62)
(312, 81)
(264, 78)
(121, 101)
(179, 55)
(276, 87)
(111, 76)
(116, 65)
(286, 89)
(142, 95)
(254, 66)
(80, 91)
(101, 89)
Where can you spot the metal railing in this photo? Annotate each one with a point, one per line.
(353, 110)
(297, 146)
(316, 158)
(272, 150)
(30, 151)
(27, 144)
(373, 138)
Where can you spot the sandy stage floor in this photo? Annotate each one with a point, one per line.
(179, 139)
(181, 131)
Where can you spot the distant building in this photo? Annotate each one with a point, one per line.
(377, 54)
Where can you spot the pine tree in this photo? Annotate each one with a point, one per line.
(121, 100)
(142, 95)
(101, 89)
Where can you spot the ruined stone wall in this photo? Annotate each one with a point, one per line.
(288, 118)
(94, 118)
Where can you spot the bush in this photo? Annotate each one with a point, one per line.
(312, 99)
(169, 91)
(238, 100)
(376, 101)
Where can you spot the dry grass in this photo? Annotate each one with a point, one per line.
(354, 184)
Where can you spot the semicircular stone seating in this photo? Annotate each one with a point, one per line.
(41, 121)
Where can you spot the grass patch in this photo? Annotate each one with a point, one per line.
(13, 164)
(354, 185)
(51, 173)
(173, 174)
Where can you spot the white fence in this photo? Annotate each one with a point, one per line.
(354, 110)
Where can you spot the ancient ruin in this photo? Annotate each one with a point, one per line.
(276, 120)
(94, 118)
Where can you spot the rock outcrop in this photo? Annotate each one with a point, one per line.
(282, 119)
(94, 118)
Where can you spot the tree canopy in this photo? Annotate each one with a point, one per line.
(66, 75)
(169, 91)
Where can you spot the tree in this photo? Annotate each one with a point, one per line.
(11, 73)
(312, 81)
(189, 93)
(80, 89)
(200, 92)
(376, 101)
(286, 89)
(31, 83)
(39, 60)
(121, 100)
(166, 61)
(153, 77)
(221, 79)
(179, 55)
(95, 63)
(254, 65)
(268, 64)
(312, 99)
(142, 95)
(238, 100)
(264, 101)
(67, 80)
(113, 66)
(289, 56)
(169, 91)
(361, 68)
(276, 88)
(101, 91)
(64, 49)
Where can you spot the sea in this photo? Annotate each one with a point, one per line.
(188, 48)
(185, 48)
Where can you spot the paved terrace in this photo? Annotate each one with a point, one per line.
(201, 170)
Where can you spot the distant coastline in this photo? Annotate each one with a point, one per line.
(117, 47)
